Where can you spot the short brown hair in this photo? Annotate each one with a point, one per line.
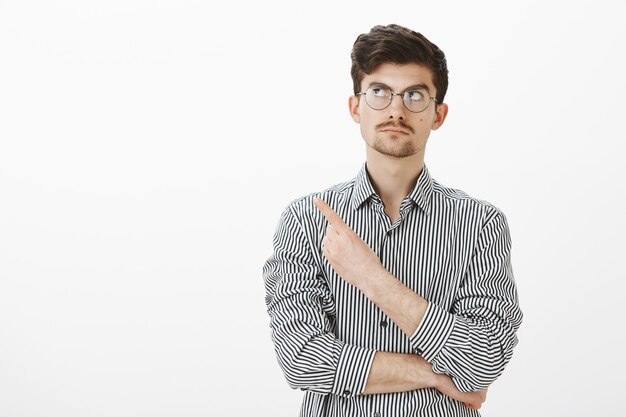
(398, 45)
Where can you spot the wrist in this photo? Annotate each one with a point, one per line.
(424, 377)
(375, 284)
(439, 381)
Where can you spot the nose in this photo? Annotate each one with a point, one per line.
(396, 107)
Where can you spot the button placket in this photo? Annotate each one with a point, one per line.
(380, 213)
(381, 249)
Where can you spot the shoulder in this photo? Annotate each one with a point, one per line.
(460, 202)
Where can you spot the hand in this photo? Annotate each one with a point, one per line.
(473, 400)
(347, 253)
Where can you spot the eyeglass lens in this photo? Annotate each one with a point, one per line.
(379, 97)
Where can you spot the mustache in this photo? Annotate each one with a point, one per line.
(400, 124)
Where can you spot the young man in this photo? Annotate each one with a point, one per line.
(392, 295)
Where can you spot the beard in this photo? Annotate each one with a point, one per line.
(398, 147)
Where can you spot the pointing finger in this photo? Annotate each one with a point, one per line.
(332, 217)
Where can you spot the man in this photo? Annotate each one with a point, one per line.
(391, 294)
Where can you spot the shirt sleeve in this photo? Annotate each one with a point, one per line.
(301, 309)
(474, 341)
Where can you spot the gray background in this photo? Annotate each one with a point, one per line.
(147, 149)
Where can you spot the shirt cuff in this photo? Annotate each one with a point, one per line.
(353, 370)
(433, 332)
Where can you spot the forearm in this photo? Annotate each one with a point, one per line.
(398, 372)
(401, 304)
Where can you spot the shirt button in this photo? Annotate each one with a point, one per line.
(347, 392)
(383, 323)
(376, 414)
(418, 351)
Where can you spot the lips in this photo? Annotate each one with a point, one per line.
(395, 130)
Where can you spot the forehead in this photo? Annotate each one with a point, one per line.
(399, 76)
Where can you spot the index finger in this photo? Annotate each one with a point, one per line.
(333, 218)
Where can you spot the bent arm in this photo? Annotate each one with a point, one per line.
(302, 310)
(474, 341)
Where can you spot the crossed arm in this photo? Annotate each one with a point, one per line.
(446, 362)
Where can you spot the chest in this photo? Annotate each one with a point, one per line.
(428, 253)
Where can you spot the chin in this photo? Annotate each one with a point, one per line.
(396, 150)
(397, 153)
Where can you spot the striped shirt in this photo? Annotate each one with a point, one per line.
(450, 248)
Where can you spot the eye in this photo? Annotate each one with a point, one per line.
(379, 91)
(415, 95)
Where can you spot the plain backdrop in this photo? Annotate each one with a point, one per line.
(147, 149)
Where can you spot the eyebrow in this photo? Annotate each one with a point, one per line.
(412, 87)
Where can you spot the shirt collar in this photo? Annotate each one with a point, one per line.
(420, 195)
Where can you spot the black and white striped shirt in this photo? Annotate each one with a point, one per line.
(448, 247)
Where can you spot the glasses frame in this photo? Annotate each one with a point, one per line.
(396, 94)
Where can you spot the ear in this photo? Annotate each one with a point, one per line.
(353, 103)
(441, 112)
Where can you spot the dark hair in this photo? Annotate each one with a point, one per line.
(398, 45)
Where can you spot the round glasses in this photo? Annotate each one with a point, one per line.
(379, 97)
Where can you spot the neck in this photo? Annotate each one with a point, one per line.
(393, 178)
